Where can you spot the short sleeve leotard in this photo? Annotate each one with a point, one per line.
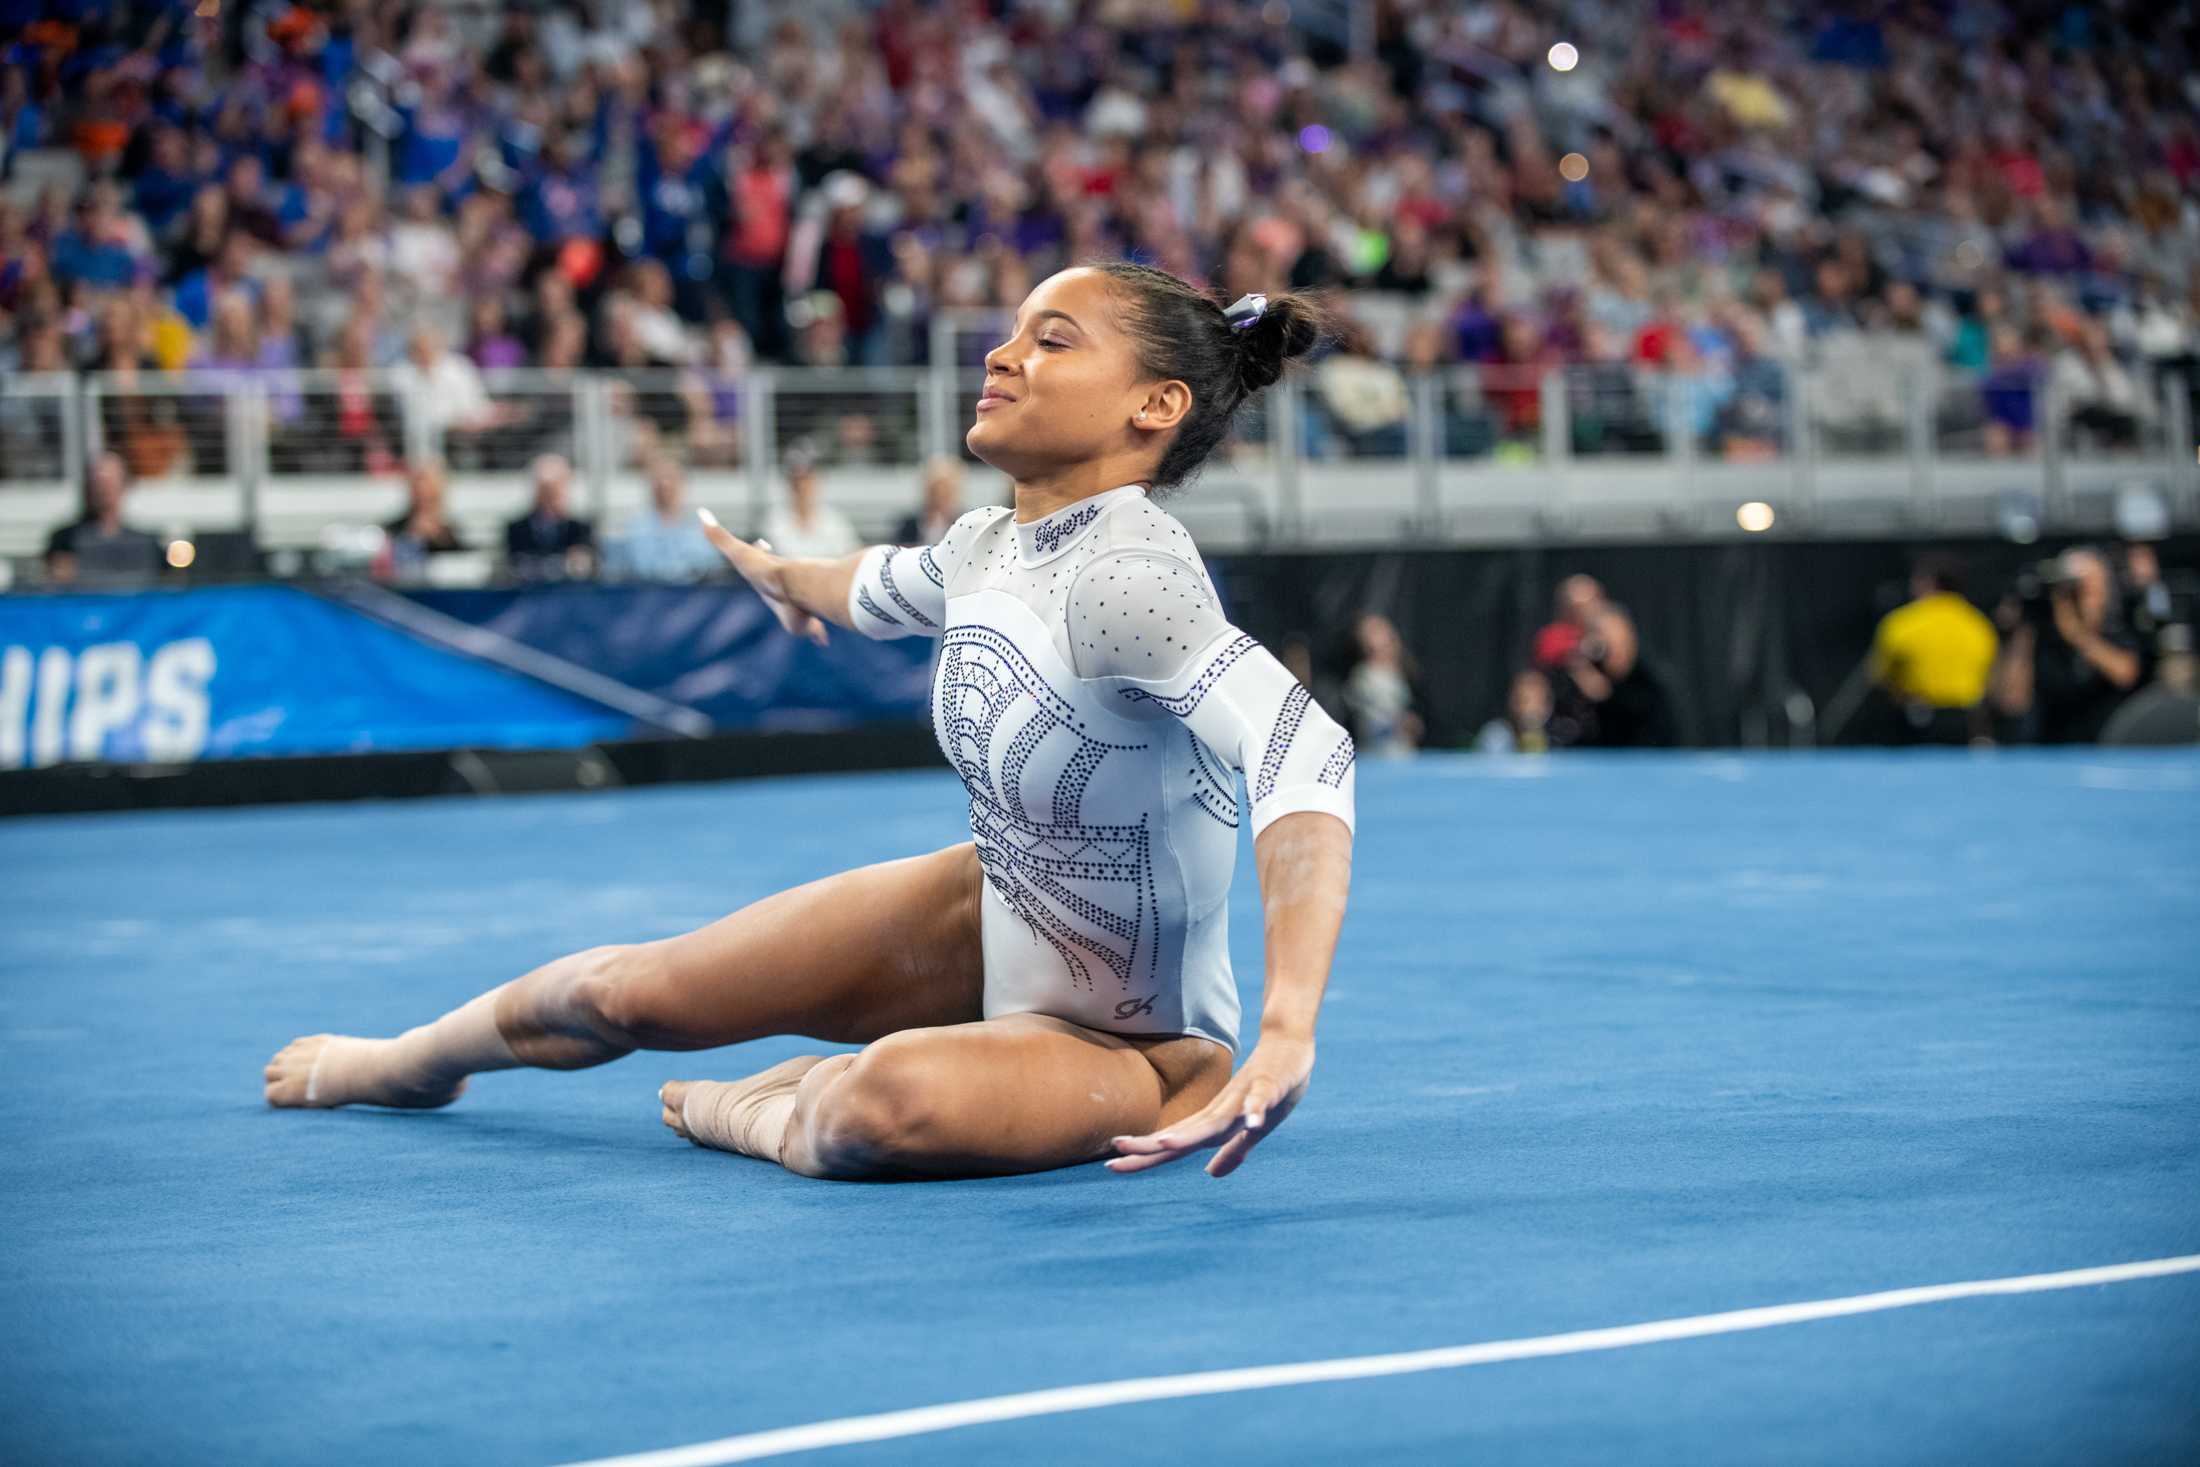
(1100, 709)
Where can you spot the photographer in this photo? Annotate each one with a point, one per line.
(2066, 661)
(1608, 694)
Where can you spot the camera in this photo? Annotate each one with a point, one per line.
(2036, 585)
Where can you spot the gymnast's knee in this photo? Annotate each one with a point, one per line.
(881, 1114)
(624, 993)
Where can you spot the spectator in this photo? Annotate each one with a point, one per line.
(763, 188)
(196, 241)
(2067, 660)
(353, 425)
(1526, 726)
(562, 203)
(805, 525)
(163, 191)
(1604, 401)
(852, 263)
(423, 530)
(442, 392)
(102, 249)
(1363, 398)
(663, 542)
(489, 344)
(2011, 391)
(1931, 659)
(232, 350)
(424, 252)
(249, 210)
(2099, 398)
(98, 549)
(547, 543)
(1378, 693)
(31, 439)
(663, 337)
(941, 506)
(228, 273)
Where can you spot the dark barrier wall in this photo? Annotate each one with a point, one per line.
(1732, 627)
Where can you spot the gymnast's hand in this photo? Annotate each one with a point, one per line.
(767, 573)
(1258, 1098)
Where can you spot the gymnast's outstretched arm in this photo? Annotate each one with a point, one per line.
(804, 594)
(884, 592)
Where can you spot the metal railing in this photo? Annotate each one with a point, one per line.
(1352, 450)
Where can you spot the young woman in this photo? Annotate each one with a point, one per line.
(1058, 988)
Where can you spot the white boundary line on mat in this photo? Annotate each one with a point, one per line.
(891, 1424)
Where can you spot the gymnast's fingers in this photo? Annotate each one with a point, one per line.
(730, 545)
(1260, 1097)
(1219, 1119)
(1233, 1154)
(1125, 1165)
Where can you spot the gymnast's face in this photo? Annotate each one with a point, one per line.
(1065, 387)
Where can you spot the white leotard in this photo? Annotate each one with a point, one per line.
(1099, 709)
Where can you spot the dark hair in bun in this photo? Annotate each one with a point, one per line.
(1181, 332)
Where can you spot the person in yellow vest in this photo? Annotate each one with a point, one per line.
(1932, 657)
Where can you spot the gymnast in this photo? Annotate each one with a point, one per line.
(1057, 989)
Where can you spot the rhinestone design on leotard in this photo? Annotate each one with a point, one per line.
(1339, 760)
(1085, 890)
(886, 579)
(863, 599)
(1279, 742)
(1183, 704)
(1216, 792)
(1051, 535)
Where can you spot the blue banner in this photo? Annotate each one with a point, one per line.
(717, 649)
(224, 673)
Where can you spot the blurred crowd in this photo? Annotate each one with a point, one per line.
(548, 541)
(1984, 212)
(1673, 199)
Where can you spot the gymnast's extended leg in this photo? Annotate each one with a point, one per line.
(848, 959)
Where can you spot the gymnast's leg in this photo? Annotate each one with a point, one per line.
(1021, 1093)
(848, 959)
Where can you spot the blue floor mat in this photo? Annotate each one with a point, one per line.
(1609, 1040)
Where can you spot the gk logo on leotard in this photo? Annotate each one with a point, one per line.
(1131, 1007)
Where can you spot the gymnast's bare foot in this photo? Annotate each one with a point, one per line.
(321, 1071)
